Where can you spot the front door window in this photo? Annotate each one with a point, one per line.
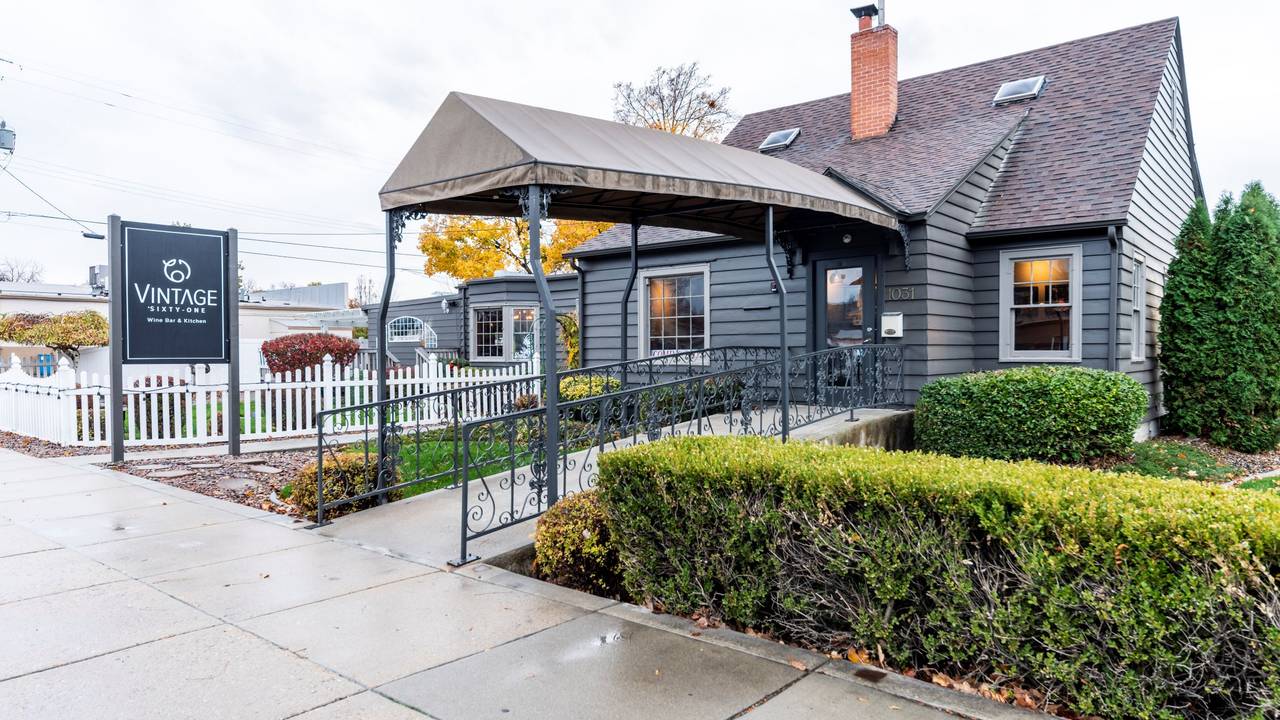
(846, 307)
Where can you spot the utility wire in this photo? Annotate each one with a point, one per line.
(70, 174)
(194, 126)
(46, 200)
(233, 121)
(456, 232)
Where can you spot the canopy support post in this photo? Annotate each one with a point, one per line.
(784, 382)
(386, 465)
(626, 300)
(534, 198)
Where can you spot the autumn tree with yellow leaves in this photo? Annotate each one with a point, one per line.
(467, 246)
(680, 100)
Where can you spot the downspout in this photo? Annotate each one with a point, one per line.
(626, 299)
(785, 381)
(1113, 325)
(582, 299)
(551, 390)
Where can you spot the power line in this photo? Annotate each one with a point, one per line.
(235, 121)
(46, 200)
(410, 256)
(195, 126)
(179, 197)
(457, 232)
(317, 234)
(334, 262)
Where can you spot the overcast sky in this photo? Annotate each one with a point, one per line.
(286, 117)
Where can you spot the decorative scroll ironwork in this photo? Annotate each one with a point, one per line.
(489, 440)
(402, 216)
(724, 391)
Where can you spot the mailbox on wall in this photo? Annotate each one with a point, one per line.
(891, 325)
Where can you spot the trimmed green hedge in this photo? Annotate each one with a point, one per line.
(1119, 595)
(1039, 412)
(347, 474)
(572, 545)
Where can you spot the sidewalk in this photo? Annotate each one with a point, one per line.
(125, 598)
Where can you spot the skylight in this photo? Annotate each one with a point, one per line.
(1019, 90)
(780, 139)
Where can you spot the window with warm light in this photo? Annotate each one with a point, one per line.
(674, 315)
(504, 333)
(1040, 305)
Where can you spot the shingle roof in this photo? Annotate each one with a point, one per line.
(1076, 154)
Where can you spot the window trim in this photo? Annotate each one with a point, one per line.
(415, 337)
(1007, 258)
(1138, 311)
(642, 301)
(508, 331)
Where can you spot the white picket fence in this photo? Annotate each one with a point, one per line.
(177, 408)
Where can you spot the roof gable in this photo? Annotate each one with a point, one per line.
(1076, 156)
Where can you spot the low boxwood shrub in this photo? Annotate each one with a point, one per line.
(1118, 595)
(346, 474)
(1057, 414)
(581, 387)
(572, 545)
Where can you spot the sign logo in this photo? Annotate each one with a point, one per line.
(176, 270)
(177, 304)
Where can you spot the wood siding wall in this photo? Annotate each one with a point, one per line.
(1095, 297)
(743, 310)
(452, 329)
(1164, 193)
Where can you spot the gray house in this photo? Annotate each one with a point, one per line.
(488, 321)
(1039, 195)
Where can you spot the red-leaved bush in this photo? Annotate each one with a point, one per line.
(294, 352)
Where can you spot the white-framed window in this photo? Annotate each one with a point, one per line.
(1138, 342)
(404, 329)
(675, 309)
(504, 332)
(1040, 304)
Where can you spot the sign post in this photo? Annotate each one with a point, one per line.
(116, 321)
(174, 299)
(232, 416)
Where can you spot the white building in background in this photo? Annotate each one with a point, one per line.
(263, 315)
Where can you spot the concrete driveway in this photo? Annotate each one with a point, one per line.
(125, 598)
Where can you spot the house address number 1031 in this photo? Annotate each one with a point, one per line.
(901, 293)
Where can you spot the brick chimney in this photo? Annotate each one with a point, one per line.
(873, 54)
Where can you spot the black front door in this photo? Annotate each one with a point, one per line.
(846, 308)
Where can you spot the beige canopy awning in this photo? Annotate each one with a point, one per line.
(475, 150)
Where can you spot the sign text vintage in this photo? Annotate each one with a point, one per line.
(177, 292)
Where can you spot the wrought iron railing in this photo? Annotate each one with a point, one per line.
(422, 429)
(504, 478)
(493, 442)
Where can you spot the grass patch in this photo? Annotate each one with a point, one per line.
(1175, 460)
(1266, 483)
(432, 453)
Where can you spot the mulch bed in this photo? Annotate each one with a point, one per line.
(1248, 463)
(36, 447)
(253, 479)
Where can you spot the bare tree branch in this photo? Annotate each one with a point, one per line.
(677, 100)
(21, 271)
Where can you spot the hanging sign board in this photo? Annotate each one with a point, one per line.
(177, 294)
